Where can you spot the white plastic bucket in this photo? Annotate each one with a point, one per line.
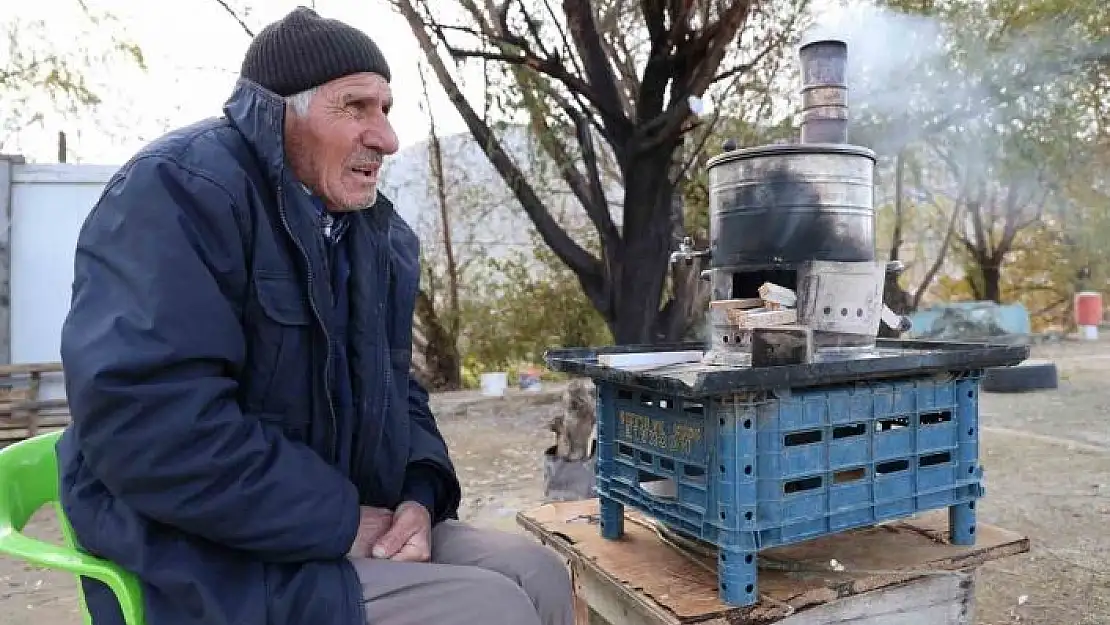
(494, 384)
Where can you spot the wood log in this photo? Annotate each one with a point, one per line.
(761, 317)
(782, 345)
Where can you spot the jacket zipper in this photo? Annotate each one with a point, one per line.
(388, 269)
(319, 318)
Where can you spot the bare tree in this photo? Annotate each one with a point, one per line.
(600, 81)
(1003, 191)
(440, 325)
(898, 297)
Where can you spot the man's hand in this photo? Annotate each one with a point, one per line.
(409, 539)
(372, 524)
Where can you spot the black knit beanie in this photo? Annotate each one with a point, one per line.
(303, 50)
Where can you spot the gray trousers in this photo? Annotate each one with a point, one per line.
(475, 577)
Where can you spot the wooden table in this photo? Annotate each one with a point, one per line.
(900, 573)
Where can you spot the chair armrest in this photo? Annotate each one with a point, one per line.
(125, 586)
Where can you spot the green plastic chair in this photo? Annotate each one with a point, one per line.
(29, 481)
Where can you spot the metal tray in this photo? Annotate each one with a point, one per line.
(891, 358)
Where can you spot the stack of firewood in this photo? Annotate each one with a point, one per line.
(769, 324)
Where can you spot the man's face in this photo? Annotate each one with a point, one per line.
(336, 148)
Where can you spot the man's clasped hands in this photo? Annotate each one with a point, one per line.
(402, 535)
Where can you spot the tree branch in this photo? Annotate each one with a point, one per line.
(524, 56)
(589, 191)
(587, 40)
(899, 202)
(938, 262)
(576, 258)
(710, 49)
(235, 16)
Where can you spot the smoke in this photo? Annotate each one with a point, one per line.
(912, 77)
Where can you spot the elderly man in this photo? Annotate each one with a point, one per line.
(246, 438)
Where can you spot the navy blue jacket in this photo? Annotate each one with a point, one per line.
(206, 454)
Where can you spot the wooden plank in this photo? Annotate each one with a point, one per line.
(36, 405)
(761, 317)
(51, 420)
(29, 368)
(641, 575)
(743, 303)
(930, 600)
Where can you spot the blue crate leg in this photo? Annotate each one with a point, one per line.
(612, 519)
(961, 523)
(736, 574)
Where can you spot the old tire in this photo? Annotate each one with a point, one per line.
(1030, 375)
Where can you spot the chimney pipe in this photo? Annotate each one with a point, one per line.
(824, 91)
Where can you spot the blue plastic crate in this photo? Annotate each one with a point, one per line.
(755, 470)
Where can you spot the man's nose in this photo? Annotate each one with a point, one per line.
(381, 136)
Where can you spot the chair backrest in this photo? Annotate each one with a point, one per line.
(29, 481)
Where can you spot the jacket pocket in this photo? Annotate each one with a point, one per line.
(282, 298)
(286, 424)
(281, 350)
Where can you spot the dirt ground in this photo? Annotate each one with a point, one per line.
(1046, 457)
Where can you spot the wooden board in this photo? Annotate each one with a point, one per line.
(658, 584)
(22, 413)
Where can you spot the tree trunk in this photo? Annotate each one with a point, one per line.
(992, 281)
(644, 256)
(442, 361)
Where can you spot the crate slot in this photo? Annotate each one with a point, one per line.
(897, 423)
(849, 475)
(693, 408)
(802, 485)
(666, 464)
(894, 466)
(693, 472)
(802, 438)
(626, 450)
(936, 418)
(935, 459)
(848, 431)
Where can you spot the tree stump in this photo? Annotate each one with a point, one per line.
(570, 463)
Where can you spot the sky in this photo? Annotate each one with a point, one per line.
(193, 51)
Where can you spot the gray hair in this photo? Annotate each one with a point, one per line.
(300, 102)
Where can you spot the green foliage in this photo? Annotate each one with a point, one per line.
(519, 308)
